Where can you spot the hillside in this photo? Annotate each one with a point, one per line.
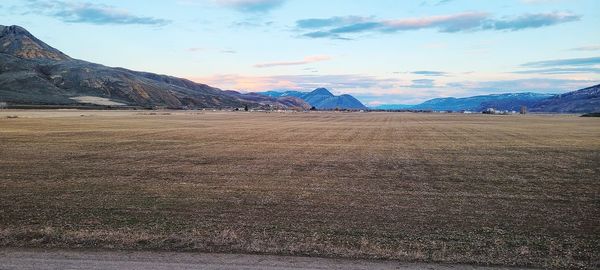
(34, 73)
(509, 101)
(321, 99)
(580, 101)
(283, 102)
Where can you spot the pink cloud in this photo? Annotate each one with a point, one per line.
(307, 60)
(449, 23)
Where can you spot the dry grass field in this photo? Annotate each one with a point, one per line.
(505, 190)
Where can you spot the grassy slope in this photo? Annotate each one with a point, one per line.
(509, 190)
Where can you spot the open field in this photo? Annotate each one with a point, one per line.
(474, 189)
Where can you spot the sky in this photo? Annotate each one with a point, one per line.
(380, 51)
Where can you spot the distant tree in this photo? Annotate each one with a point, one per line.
(313, 108)
(246, 108)
(523, 110)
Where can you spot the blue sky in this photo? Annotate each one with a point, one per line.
(381, 51)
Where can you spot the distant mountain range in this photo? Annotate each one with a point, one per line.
(33, 73)
(321, 99)
(581, 101)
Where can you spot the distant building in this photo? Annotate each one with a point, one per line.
(494, 111)
(489, 111)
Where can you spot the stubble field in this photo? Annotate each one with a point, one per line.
(479, 189)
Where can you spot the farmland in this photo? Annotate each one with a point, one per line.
(478, 189)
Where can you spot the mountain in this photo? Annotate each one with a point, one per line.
(18, 42)
(509, 101)
(586, 100)
(321, 99)
(32, 72)
(297, 94)
(283, 102)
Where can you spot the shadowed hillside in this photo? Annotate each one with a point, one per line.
(580, 101)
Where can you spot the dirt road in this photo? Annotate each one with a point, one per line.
(91, 260)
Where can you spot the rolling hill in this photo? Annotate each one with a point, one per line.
(34, 73)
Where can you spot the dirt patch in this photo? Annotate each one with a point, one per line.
(97, 101)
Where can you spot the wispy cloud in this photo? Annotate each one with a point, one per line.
(435, 2)
(336, 27)
(587, 48)
(565, 62)
(574, 70)
(85, 12)
(346, 82)
(446, 23)
(430, 73)
(195, 49)
(327, 22)
(422, 83)
(533, 21)
(251, 5)
(307, 60)
(203, 49)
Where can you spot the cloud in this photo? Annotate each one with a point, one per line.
(435, 3)
(422, 83)
(447, 23)
(565, 62)
(560, 70)
(587, 48)
(195, 49)
(251, 5)
(333, 21)
(346, 82)
(441, 2)
(533, 21)
(429, 73)
(72, 12)
(307, 60)
(249, 23)
(334, 27)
